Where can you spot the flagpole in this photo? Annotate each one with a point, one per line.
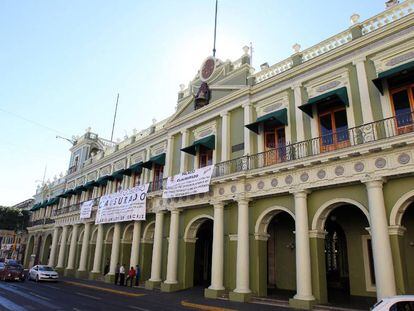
(215, 28)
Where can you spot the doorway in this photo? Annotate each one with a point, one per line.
(202, 255)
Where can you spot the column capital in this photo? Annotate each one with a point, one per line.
(184, 131)
(247, 105)
(241, 199)
(373, 181)
(397, 230)
(359, 59)
(296, 85)
(225, 114)
(318, 234)
(300, 193)
(217, 204)
(175, 211)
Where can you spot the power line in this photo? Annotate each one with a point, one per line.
(32, 121)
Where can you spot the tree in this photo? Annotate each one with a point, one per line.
(13, 218)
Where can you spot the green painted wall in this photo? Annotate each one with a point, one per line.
(374, 94)
(236, 130)
(292, 116)
(305, 118)
(408, 246)
(176, 154)
(355, 96)
(394, 189)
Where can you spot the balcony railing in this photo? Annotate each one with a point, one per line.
(39, 222)
(157, 185)
(370, 132)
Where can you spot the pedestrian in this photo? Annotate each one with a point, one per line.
(117, 270)
(122, 275)
(138, 275)
(131, 275)
(106, 269)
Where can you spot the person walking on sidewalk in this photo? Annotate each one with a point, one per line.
(138, 275)
(131, 275)
(122, 275)
(117, 268)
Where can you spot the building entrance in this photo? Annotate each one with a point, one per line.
(202, 255)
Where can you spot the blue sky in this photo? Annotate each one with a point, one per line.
(63, 62)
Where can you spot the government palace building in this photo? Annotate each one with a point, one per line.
(311, 195)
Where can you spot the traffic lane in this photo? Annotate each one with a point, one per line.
(72, 297)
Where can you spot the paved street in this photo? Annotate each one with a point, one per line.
(76, 295)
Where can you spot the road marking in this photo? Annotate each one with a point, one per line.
(50, 286)
(39, 296)
(203, 307)
(88, 296)
(138, 308)
(10, 305)
(30, 297)
(104, 289)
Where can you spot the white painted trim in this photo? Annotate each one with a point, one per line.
(367, 272)
(318, 221)
(125, 232)
(145, 232)
(265, 218)
(399, 208)
(192, 227)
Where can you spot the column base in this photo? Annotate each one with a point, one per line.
(152, 284)
(82, 274)
(110, 278)
(168, 287)
(69, 272)
(301, 304)
(213, 293)
(94, 276)
(240, 297)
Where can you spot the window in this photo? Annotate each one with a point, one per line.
(205, 157)
(275, 144)
(403, 306)
(118, 185)
(136, 179)
(333, 128)
(403, 104)
(158, 174)
(103, 190)
(89, 194)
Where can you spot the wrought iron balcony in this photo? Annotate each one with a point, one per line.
(366, 133)
(39, 222)
(157, 185)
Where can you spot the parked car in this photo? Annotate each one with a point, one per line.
(395, 303)
(11, 271)
(43, 273)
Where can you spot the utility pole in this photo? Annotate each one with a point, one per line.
(113, 124)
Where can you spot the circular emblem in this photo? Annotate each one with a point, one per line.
(192, 197)
(359, 167)
(339, 170)
(233, 189)
(274, 182)
(221, 191)
(288, 179)
(260, 185)
(380, 162)
(403, 158)
(321, 174)
(304, 177)
(207, 68)
(248, 187)
(201, 195)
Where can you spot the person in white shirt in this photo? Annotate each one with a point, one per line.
(122, 275)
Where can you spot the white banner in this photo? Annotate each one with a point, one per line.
(125, 205)
(86, 209)
(192, 182)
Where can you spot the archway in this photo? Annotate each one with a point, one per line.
(126, 244)
(146, 250)
(91, 250)
(29, 251)
(198, 238)
(79, 248)
(105, 264)
(408, 249)
(38, 249)
(348, 265)
(46, 250)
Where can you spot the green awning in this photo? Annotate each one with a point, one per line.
(43, 204)
(208, 142)
(69, 192)
(340, 94)
(104, 180)
(277, 117)
(63, 195)
(120, 174)
(402, 69)
(79, 189)
(135, 168)
(158, 159)
(53, 201)
(35, 207)
(91, 184)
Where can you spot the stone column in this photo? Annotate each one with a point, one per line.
(247, 133)
(242, 291)
(84, 250)
(183, 159)
(225, 136)
(367, 115)
(53, 249)
(381, 246)
(304, 297)
(116, 242)
(72, 250)
(169, 157)
(155, 279)
(217, 266)
(171, 283)
(136, 241)
(97, 258)
(62, 249)
(300, 133)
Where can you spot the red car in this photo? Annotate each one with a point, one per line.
(11, 271)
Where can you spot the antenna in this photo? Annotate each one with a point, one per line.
(215, 28)
(113, 124)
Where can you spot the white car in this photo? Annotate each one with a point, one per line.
(395, 303)
(43, 273)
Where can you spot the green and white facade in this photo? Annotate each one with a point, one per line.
(313, 189)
